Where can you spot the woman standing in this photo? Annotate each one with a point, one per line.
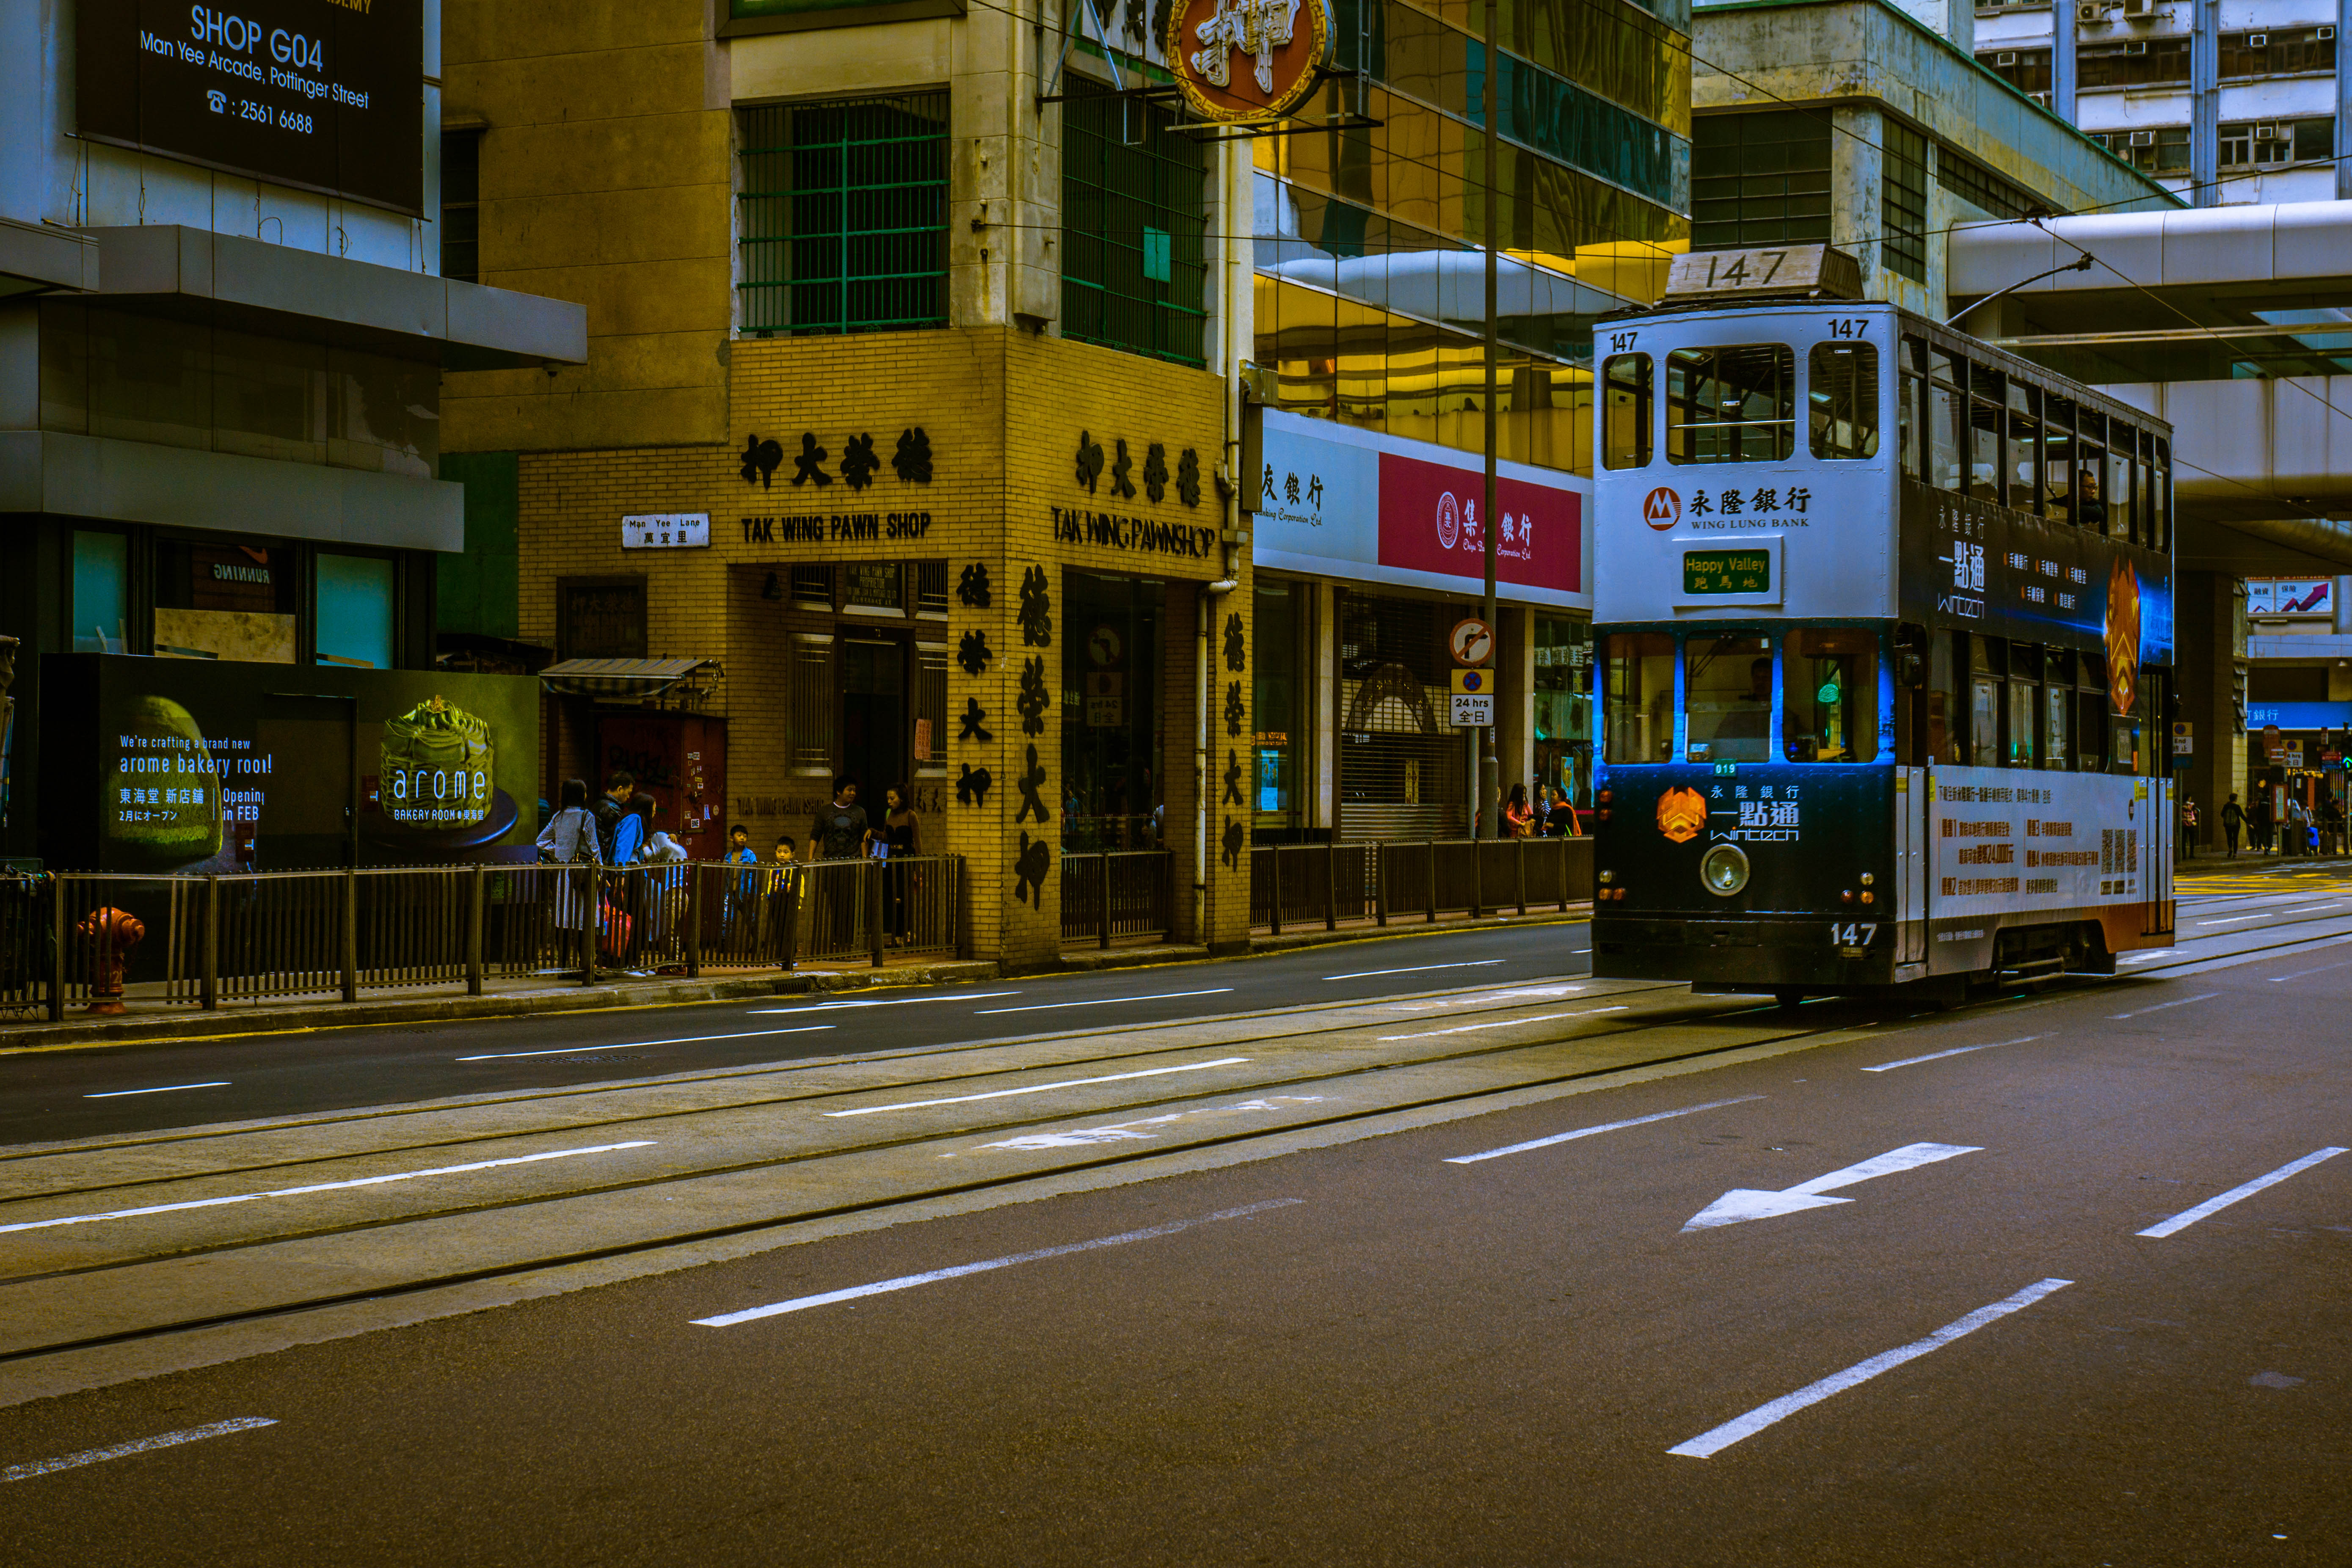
(569, 839)
(902, 835)
(1518, 817)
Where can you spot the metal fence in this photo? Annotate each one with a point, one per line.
(1327, 885)
(1120, 893)
(102, 942)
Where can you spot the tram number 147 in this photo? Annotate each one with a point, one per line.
(1851, 935)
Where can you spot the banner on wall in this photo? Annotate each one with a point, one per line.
(1355, 504)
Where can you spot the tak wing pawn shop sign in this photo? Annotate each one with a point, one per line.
(1238, 61)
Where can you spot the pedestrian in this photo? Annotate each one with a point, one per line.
(742, 886)
(2188, 826)
(2263, 823)
(2331, 823)
(569, 840)
(900, 835)
(610, 807)
(1518, 817)
(2233, 822)
(1560, 822)
(839, 832)
(2298, 827)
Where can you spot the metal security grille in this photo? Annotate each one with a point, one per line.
(1903, 205)
(844, 214)
(1759, 179)
(1134, 275)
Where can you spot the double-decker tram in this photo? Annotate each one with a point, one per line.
(1887, 629)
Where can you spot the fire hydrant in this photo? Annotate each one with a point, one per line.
(111, 934)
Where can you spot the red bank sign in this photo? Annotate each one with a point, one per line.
(1430, 521)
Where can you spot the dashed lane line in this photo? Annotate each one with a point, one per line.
(1038, 1087)
(142, 1445)
(2215, 1204)
(1590, 1131)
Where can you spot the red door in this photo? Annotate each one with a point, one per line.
(680, 760)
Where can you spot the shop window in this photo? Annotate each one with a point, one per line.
(1734, 404)
(461, 198)
(355, 610)
(226, 601)
(813, 586)
(1134, 258)
(813, 703)
(599, 618)
(1275, 642)
(1728, 698)
(1759, 179)
(1830, 696)
(1841, 400)
(1563, 705)
(930, 587)
(1626, 412)
(102, 592)
(842, 215)
(1903, 202)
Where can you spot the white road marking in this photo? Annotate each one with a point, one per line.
(1955, 1051)
(1039, 1088)
(1418, 969)
(2213, 1206)
(167, 1089)
(2150, 956)
(145, 1444)
(1104, 1001)
(1123, 1131)
(1481, 998)
(634, 1045)
(888, 1001)
(320, 1187)
(1748, 1203)
(2160, 1006)
(2312, 909)
(2239, 919)
(1589, 1132)
(1502, 1023)
(1706, 1445)
(909, 1281)
(2299, 974)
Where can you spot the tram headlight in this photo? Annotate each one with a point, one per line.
(1724, 870)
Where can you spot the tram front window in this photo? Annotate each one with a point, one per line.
(1735, 404)
(1727, 693)
(1829, 701)
(1640, 704)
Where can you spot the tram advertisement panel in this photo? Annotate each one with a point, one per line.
(2003, 841)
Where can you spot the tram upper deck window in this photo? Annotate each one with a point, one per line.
(1731, 404)
(1984, 434)
(2090, 471)
(2115, 498)
(2023, 467)
(1947, 421)
(1841, 400)
(2145, 500)
(1639, 710)
(1829, 695)
(1625, 435)
(2058, 459)
(1910, 433)
(2160, 510)
(1727, 697)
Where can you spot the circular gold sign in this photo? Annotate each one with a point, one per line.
(1246, 60)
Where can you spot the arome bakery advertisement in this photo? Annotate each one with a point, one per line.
(325, 95)
(1350, 504)
(168, 765)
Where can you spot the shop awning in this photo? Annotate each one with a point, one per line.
(627, 679)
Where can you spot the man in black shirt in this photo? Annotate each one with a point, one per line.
(838, 833)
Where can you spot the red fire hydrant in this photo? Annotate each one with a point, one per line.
(111, 934)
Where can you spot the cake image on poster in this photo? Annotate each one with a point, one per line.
(437, 763)
(2122, 636)
(162, 804)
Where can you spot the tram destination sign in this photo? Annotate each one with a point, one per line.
(322, 95)
(1709, 572)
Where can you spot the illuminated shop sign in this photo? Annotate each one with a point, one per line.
(325, 95)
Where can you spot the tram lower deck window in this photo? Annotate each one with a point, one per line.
(1731, 404)
(1728, 698)
(1829, 695)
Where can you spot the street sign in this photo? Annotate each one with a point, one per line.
(2184, 738)
(1472, 640)
(1470, 682)
(2272, 746)
(1472, 710)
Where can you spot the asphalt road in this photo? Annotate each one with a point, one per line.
(85, 1093)
(1384, 1351)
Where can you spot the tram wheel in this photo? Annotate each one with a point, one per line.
(1788, 998)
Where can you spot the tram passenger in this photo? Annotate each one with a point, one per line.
(2093, 510)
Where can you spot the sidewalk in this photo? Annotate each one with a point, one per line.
(535, 994)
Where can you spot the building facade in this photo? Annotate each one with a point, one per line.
(223, 325)
(951, 392)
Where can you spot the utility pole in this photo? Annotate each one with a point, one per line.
(1490, 789)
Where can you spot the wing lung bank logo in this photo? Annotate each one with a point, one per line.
(1682, 813)
(2122, 636)
(1662, 509)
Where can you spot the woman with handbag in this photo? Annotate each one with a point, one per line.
(569, 840)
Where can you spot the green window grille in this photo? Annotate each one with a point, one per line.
(1903, 203)
(1134, 263)
(845, 215)
(1759, 179)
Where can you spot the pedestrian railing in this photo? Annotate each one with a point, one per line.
(103, 941)
(1329, 885)
(1117, 893)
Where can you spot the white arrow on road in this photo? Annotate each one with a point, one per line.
(1747, 1203)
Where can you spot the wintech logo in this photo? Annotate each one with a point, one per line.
(1662, 509)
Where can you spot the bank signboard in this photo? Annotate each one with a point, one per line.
(322, 95)
(1358, 505)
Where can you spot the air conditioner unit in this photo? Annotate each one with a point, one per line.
(2326, 35)
(2258, 41)
(2138, 46)
(2040, 98)
(2139, 7)
(2089, 13)
(2005, 57)
(2143, 138)
(2267, 133)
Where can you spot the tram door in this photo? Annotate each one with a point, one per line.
(2157, 841)
(1911, 852)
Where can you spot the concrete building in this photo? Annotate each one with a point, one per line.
(955, 414)
(223, 325)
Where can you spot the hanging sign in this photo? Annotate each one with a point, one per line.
(1244, 60)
